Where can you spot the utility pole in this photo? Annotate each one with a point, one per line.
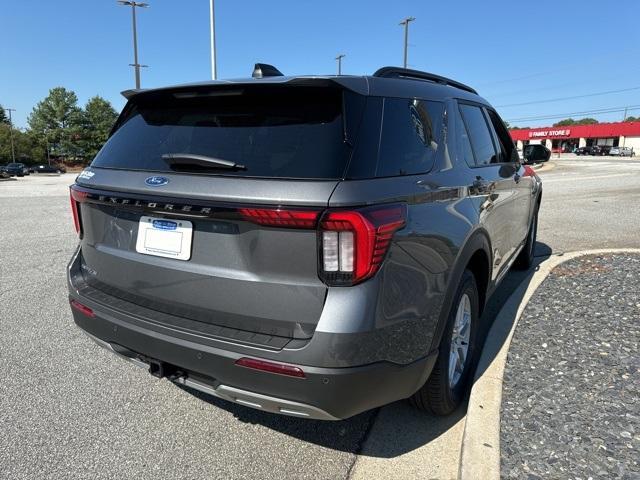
(624, 119)
(135, 63)
(13, 152)
(212, 26)
(339, 59)
(405, 22)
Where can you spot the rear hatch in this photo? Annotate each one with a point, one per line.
(193, 214)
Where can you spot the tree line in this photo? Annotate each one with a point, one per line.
(59, 130)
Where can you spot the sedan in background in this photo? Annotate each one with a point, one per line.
(17, 169)
(43, 168)
(583, 151)
(621, 152)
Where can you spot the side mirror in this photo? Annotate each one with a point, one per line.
(540, 154)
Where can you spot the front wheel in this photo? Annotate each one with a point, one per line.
(447, 385)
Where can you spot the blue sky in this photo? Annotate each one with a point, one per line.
(511, 51)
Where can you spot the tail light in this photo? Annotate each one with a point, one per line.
(355, 242)
(273, 217)
(77, 197)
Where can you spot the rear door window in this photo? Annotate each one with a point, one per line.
(410, 137)
(480, 135)
(274, 131)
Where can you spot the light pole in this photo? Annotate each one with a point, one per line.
(212, 27)
(13, 152)
(339, 59)
(405, 22)
(135, 63)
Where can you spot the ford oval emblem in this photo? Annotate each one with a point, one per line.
(156, 181)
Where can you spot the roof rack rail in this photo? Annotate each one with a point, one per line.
(397, 72)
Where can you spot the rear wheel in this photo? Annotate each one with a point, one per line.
(447, 385)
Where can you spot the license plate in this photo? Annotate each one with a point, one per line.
(164, 238)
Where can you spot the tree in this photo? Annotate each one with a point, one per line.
(4, 119)
(26, 147)
(97, 119)
(632, 119)
(570, 121)
(56, 122)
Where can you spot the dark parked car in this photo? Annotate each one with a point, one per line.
(43, 168)
(535, 154)
(17, 169)
(308, 246)
(600, 150)
(3, 172)
(583, 151)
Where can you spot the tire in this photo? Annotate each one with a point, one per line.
(441, 395)
(524, 260)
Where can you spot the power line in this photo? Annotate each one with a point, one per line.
(569, 66)
(559, 99)
(569, 114)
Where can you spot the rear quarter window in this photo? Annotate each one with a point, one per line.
(410, 136)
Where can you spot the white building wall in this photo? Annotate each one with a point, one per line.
(633, 142)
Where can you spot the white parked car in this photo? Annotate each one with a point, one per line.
(621, 152)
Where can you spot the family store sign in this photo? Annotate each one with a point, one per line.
(550, 133)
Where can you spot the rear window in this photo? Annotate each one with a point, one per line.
(273, 131)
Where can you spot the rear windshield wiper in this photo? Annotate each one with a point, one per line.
(186, 161)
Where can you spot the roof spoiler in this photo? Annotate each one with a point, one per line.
(131, 92)
(397, 72)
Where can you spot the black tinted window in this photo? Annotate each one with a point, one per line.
(463, 142)
(274, 131)
(410, 137)
(508, 152)
(479, 134)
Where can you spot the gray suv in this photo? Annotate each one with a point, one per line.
(308, 246)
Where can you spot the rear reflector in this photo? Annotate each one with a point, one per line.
(271, 367)
(82, 308)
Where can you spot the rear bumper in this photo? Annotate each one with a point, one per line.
(325, 393)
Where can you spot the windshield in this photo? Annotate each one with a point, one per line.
(274, 131)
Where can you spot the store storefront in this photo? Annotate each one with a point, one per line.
(567, 139)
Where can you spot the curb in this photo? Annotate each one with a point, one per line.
(544, 167)
(480, 450)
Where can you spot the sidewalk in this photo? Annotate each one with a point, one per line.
(571, 391)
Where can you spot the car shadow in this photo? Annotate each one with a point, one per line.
(399, 428)
(516, 281)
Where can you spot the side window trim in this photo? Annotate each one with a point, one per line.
(489, 128)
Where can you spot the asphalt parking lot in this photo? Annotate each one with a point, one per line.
(70, 410)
